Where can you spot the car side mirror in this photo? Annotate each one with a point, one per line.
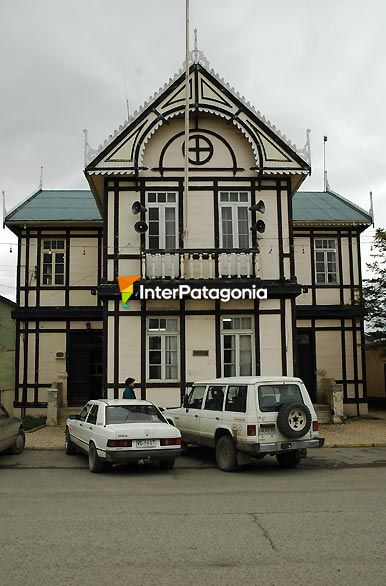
(185, 401)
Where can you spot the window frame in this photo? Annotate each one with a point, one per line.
(53, 252)
(237, 332)
(161, 207)
(234, 206)
(163, 334)
(325, 250)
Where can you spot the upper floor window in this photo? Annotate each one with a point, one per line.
(53, 262)
(234, 219)
(325, 261)
(163, 221)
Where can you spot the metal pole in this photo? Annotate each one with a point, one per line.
(324, 163)
(186, 175)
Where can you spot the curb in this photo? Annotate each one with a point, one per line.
(34, 429)
(357, 445)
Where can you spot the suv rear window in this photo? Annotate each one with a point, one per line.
(272, 397)
(133, 414)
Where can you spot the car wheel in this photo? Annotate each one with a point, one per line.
(288, 459)
(294, 420)
(19, 444)
(69, 446)
(167, 464)
(226, 454)
(95, 464)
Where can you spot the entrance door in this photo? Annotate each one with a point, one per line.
(306, 360)
(84, 367)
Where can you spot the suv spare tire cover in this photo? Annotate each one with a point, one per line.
(294, 420)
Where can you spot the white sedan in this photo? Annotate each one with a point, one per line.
(121, 431)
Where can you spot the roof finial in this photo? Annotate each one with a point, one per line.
(4, 210)
(86, 146)
(41, 178)
(195, 41)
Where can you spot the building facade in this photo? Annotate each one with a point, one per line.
(7, 353)
(243, 226)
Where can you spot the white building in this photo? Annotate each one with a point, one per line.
(302, 247)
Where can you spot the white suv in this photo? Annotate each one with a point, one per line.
(251, 414)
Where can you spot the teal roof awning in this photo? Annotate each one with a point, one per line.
(327, 206)
(54, 205)
(73, 205)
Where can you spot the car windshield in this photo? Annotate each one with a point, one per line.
(133, 414)
(272, 397)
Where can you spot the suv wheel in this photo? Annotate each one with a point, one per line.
(294, 420)
(95, 464)
(226, 454)
(288, 459)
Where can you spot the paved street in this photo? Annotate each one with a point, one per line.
(324, 522)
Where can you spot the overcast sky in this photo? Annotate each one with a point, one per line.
(316, 64)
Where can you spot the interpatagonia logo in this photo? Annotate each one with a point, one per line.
(126, 287)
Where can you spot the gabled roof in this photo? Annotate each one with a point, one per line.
(55, 205)
(327, 207)
(122, 152)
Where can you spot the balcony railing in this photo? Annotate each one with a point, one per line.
(200, 264)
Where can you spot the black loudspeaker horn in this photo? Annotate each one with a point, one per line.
(138, 208)
(141, 227)
(258, 227)
(258, 207)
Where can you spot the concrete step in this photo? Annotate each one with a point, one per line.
(323, 413)
(65, 412)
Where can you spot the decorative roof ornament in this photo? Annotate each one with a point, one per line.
(305, 152)
(197, 56)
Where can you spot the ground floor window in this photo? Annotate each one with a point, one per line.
(163, 341)
(237, 338)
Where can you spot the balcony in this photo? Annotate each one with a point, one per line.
(191, 264)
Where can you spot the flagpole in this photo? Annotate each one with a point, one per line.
(186, 173)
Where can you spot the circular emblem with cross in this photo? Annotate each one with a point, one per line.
(200, 149)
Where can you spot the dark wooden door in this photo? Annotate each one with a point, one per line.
(306, 360)
(84, 367)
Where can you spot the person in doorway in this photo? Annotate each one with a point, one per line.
(128, 393)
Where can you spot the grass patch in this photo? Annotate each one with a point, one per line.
(32, 421)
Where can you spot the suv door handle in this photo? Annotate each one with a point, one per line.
(80, 425)
(218, 418)
(90, 426)
(196, 416)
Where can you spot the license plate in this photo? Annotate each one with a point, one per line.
(145, 443)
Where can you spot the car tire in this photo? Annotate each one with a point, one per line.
(95, 464)
(167, 464)
(70, 448)
(288, 459)
(226, 454)
(19, 444)
(294, 420)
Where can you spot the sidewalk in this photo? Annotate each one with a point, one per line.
(359, 432)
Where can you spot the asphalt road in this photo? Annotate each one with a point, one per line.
(322, 523)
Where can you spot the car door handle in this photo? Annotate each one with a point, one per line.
(196, 416)
(80, 425)
(218, 418)
(90, 426)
